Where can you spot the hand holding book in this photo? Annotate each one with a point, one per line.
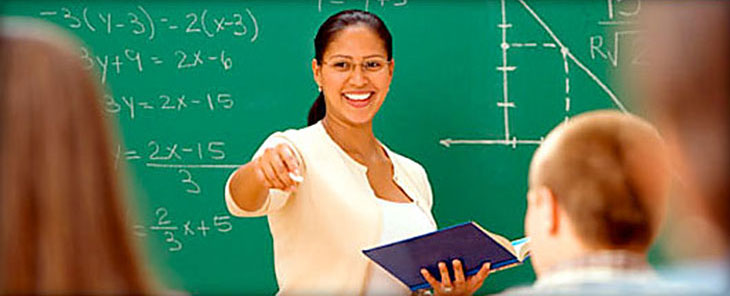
(460, 286)
(467, 243)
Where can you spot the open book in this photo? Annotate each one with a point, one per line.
(467, 242)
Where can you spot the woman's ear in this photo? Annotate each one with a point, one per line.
(391, 67)
(317, 72)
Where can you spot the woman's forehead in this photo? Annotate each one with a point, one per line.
(356, 41)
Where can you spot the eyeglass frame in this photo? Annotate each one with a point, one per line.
(385, 61)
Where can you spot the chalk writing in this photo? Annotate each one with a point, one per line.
(140, 22)
(174, 232)
(132, 106)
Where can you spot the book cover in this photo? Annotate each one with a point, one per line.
(467, 242)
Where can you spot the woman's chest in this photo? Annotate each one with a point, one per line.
(380, 179)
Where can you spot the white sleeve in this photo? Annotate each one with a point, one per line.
(276, 198)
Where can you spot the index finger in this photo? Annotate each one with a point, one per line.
(288, 155)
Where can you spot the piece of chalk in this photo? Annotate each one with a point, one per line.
(296, 178)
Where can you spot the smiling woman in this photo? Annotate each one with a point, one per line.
(332, 189)
(354, 95)
(365, 36)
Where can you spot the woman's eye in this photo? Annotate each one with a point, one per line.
(373, 65)
(341, 65)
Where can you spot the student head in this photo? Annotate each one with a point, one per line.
(62, 215)
(598, 182)
(687, 94)
(353, 67)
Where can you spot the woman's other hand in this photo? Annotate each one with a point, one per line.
(461, 285)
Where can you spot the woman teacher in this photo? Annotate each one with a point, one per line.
(333, 189)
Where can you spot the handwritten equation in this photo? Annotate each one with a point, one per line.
(366, 3)
(622, 23)
(142, 23)
(174, 232)
(135, 61)
(157, 151)
(177, 156)
(132, 105)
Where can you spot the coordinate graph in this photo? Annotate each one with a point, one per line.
(571, 66)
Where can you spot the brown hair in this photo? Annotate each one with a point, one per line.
(609, 173)
(63, 215)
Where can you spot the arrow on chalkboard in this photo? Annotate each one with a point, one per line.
(506, 142)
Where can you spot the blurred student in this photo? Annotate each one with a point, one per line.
(62, 212)
(687, 91)
(596, 199)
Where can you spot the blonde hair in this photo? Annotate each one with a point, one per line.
(609, 172)
(62, 210)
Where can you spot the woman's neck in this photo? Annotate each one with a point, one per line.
(358, 141)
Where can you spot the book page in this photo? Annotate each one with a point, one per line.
(522, 248)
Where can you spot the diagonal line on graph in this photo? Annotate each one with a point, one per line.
(573, 58)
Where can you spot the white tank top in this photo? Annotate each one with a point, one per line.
(399, 221)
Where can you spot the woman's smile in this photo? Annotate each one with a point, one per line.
(358, 99)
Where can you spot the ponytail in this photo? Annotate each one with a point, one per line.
(318, 110)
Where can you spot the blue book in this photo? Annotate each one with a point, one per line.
(467, 242)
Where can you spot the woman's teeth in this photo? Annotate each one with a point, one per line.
(358, 97)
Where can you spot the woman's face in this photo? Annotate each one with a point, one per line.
(354, 75)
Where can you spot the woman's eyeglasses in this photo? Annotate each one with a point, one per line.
(343, 65)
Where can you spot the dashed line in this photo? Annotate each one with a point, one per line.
(532, 45)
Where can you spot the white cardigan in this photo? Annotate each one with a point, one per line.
(319, 231)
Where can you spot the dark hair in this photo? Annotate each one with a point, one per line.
(333, 25)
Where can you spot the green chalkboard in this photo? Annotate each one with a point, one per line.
(197, 85)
